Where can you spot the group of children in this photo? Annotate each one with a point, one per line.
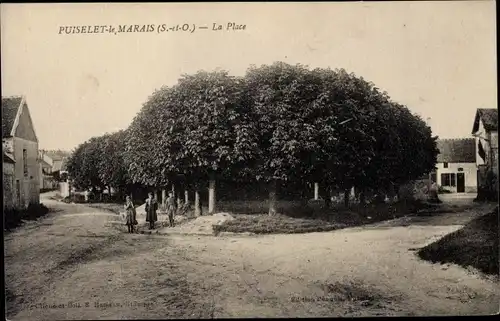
(151, 211)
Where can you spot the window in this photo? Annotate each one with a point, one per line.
(445, 165)
(25, 162)
(18, 192)
(448, 179)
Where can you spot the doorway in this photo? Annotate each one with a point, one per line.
(460, 183)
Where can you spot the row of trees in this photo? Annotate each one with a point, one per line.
(278, 123)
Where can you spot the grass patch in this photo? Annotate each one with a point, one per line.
(314, 217)
(265, 224)
(476, 245)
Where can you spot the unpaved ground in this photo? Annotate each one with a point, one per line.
(77, 255)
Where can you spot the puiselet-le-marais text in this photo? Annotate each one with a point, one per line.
(147, 28)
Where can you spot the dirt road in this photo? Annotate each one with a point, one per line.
(74, 264)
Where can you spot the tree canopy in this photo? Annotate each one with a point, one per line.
(278, 122)
(200, 126)
(98, 163)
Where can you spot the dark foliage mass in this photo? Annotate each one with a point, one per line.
(278, 123)
(14, 218)
(476, 245)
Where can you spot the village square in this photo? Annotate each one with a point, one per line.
(279, 185)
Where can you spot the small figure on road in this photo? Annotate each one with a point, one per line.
(170, 208)
(131, 214)
(151, 208)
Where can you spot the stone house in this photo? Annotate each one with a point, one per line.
(20, 143)
(456, 165)
(485, 131)
(9, 196)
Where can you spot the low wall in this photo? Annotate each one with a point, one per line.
(64, 189)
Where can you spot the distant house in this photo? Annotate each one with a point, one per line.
(456, 165)
(58, 159)
(47, 179)
(485, 131)
(20, 144)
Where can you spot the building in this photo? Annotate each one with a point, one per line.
(456, 169)
(20, 143)
(485, 132)
(47, 179)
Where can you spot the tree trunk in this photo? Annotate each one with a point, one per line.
(362, 201)
(397, 192)
(304, 195)
(211, 194)
(347, 194)
(328, 197)
(186, 197)
(272, 197)
(197, 205)
(362, 197)
(163, 198)
(174, 195)
(316, 191)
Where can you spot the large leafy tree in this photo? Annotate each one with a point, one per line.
(332, 127)
(98, 163)
(149, 142)
(111, 167)
(348, 108)
(83, 164)
(279, 123)
(200, 128)
(289, 132)
(418, 151)
(382, 146)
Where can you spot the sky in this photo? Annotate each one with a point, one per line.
(438, 58)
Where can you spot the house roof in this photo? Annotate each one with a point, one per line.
(461, 150)
(489, 116)
(8, 159)
(10, 108)
(45, 163)
(57, 155)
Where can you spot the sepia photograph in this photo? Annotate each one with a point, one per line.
(249, 160)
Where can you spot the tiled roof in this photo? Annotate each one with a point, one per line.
(489, 116)
(10, 106)
(457, 150)
(8, 159)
